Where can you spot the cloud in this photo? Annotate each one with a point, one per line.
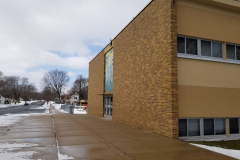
(58, 32)
(71, 74)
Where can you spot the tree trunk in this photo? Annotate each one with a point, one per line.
(59, 97)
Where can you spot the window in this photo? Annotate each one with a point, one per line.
(234, 127)
(182, 127)
(238, 52)
(220, 126)
(214, 126)
(217, 49)
(206, 48)
(193, 127)
(198, 47)
(208, 126)
(233, 52)
(191, 46)
(203, 127)
(181, 44)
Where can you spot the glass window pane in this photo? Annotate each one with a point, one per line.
(238, 52)
(206, 48)
(217, 50)
(208, 126)
(191, 46)
(220, 127)
(193, 127)
(230, 49)
(182, 127)
(233, 125)
(181, 44)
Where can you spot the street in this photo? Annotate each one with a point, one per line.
(23, 109)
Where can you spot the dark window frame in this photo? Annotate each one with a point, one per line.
(235, 49)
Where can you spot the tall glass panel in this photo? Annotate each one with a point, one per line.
(220, 126)
(206, 48)
(181, 44)
(208, 126)
(230, 49)
(238, 52)
(191, 45)
(193, 127)
(182, 127)
(111, 105)
(109, 72)
(108, 105)
(234, 128)
(105, 107)
(217, 50)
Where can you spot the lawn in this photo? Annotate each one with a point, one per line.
(234, 144)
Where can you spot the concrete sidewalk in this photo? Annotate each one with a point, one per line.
(64, 136)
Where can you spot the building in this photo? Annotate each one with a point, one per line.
(2, 99)
(74, 99)
(173, 70)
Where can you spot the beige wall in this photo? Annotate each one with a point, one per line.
(208, 73)
(208, 89)
(206, 21)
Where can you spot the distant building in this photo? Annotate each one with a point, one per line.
(74, 99)
(173, 70)
(2, 99)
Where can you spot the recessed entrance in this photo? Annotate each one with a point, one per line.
(108, 107)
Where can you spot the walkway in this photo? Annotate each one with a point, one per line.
(88, 137)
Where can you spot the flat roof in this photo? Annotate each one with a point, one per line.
(227, 4)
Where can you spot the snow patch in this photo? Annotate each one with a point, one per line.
(227, 152)
(15, 154)
(13, 150)
(15, 144)
(78, 111)
(10, 119)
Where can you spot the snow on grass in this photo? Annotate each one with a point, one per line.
(78, 111)
(56, 106)
(228, 152)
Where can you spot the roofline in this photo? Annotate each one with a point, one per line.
(124, 28)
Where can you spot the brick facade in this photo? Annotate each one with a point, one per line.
(144, 72)
(96, 85)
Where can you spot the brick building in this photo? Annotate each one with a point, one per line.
(173, 70)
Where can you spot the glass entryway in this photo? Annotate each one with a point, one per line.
(108, 107)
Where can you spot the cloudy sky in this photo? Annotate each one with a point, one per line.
(39, 35)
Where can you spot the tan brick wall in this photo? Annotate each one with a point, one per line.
(144, 72)
(96, 85)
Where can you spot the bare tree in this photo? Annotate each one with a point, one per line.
(28, 92)
(2, 82)
(36, 96)
(15, 86)
(56, 80)
(48, 94)
(80, 86)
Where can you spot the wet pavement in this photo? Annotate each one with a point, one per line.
(65, 136)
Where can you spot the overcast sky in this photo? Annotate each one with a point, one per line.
(39, 35)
